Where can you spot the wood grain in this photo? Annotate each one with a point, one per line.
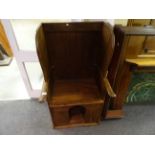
(75, 59)
(142, 62)
(128, 57)
(4, 41)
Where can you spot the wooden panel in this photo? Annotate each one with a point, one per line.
(72, 92)
(72, 27)
(134, 46)
(117, 69)
(42, 52)
(114, 114)
(62, 119)
(118, 56)
(72, 55)
(138, 22)
(108, 40)
(137, 31)
(131, 50)
(4, 41)
(123, 79)
(141, 40)
(148, 43)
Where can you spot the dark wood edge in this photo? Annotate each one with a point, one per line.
(114, 114)
(70, 26)
(75, 125)
(136, 30)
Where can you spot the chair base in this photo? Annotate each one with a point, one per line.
(114, 114)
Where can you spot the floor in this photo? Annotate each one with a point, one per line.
(32, 118)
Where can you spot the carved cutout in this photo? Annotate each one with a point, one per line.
(77, 114)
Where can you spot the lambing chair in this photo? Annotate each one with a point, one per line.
(75, 58)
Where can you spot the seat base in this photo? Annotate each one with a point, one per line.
(75, 103)
(75, 92)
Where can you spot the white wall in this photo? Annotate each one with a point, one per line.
(121, 21)
(25, 31)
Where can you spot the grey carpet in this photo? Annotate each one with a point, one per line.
(32, 118)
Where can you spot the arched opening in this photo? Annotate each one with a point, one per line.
(77, 114)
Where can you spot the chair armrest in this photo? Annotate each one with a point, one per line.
(108, 88)
(107, 85)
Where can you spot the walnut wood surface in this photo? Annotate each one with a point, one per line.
(137, 31)
(73, 92)
(113, 114)
(145, 42)
(75, 59)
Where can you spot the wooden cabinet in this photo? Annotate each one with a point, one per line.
(148, 42)
(139, 22)
(75, 59)
(129, 56)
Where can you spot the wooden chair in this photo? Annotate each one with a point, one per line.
(75, 58)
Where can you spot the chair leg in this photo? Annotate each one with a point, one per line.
(43, 95)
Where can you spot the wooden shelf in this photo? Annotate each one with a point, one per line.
(146, 56)
(142, 62)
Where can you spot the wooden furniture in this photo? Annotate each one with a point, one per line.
(4, 41)
(5, 50)
(147, 40)
(132, 53)
(139, 22)
(75, 59)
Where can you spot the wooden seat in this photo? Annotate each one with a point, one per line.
(75, 92)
